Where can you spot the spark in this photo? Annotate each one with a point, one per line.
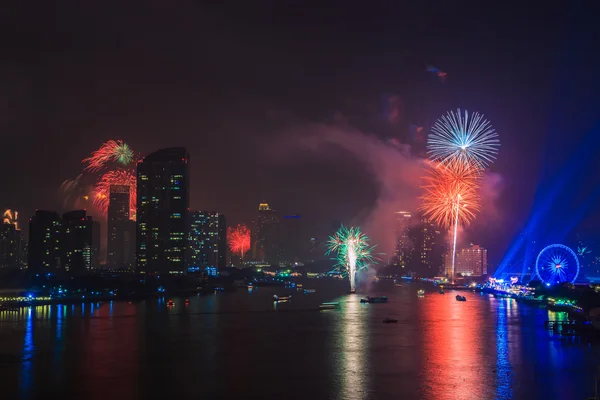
(238, 238)
(352, 249)
(468, 137)
(101, 191)
(112, 151)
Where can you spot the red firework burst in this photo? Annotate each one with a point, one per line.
(451, 193)
(111, 151)
(101, 191)
(238, 238)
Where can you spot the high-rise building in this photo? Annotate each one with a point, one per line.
(96, 244)
(121, 230)
(208, 240)
(11, 246)
(77, 242)
(426, 257)
(44, 242)
(266, 241)
(162, 211)
(403, 245)
(471, 261)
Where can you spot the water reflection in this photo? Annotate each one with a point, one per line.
(355, 344)
(503, 365)
(26, 378)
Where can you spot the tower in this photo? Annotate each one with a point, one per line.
(121, 230)
(162, 211)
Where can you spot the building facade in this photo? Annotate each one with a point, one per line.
(265, 236)
(76, 242)
(471, 261)
(11, 246)
(121, 229)
(427, 255)
(162, 226)
(44, 251)
(207, 240)
(403, 246)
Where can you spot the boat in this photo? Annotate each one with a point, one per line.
(329, 306)
(397, 284)
(281, 298)
(219, 289)
(170, 302)
(460, 298)
(441, 291)
(309, 290)
(390, 321)
(420, 293)
(369, 299)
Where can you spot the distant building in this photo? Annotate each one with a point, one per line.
(294, 248)
(44, 242)
(96, 244)
(471, 261)
(121, 229)
(207, 240)
(162, 228)
(426, 257)
(265, 236)
(11, 246)
(403, 246)
(77, 242)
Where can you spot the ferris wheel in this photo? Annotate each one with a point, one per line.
(557, 263)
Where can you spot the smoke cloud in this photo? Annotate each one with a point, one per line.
(397, 172)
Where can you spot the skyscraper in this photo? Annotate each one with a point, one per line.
(403, 245)
(77, 242)
(266, 242)
(96, 244)
(44, 242)
(162, 211)
(121, 230)
(11, 243)
(428, 248)
(208, 241)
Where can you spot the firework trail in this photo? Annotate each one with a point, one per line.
(238, 238)
(101, 191)
(469, 138)
(112, 151)
(353, 251)
(452, 196)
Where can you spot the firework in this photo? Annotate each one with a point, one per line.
(111, 151)
(238, 238)
(469, 138)
(451, 196)
(101, 191)
(352, 249)
(450, 187)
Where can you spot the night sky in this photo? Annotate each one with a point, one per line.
(237, 82)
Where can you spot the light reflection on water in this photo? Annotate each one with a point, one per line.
(484, 348)
(355, 341)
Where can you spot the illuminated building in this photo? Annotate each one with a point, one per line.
(403, 245)
(207, 240)
(11, 246)
(265, 236)
(426, 256)
(96, 244)
(471, 261)
(44, 242)
(162, 228)
(121, 229)
(76, 242)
